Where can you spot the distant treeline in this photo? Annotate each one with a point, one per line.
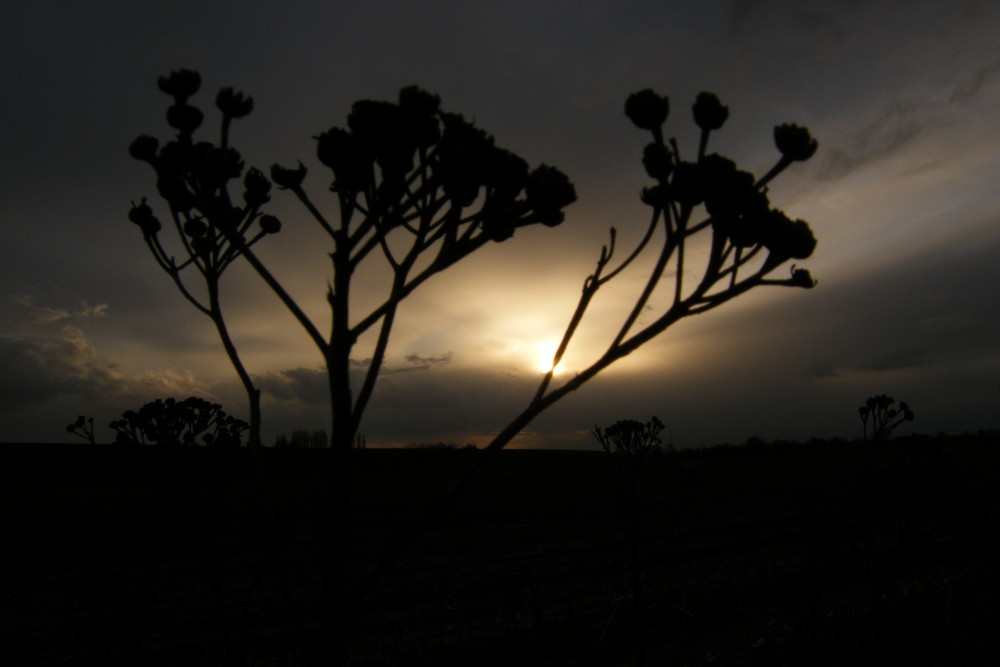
(756, 442)
(303, 439)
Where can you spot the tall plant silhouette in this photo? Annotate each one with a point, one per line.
(418, 189)
(748, 239)
(194, 177)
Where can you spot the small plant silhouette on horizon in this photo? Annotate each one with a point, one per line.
(172, 423)
(629, 440)
(83, 427)
(883, 416)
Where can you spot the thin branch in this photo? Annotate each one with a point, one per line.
(304, 198)
(282, 294)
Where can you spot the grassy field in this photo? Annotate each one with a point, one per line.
(774, 555)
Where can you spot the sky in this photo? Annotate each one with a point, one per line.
(902, 196)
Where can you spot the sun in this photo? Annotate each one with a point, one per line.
(546, 353)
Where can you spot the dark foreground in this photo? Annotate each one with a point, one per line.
(797, 555)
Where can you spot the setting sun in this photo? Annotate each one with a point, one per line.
(546, 353)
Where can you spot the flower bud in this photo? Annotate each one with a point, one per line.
(657, 196)
(499, 223)
(548, 190)
(794, 142)
(269, 224)
(786, 239)
(216, 166)
(801, 241)
(142, 215)
(233, 104)
(658, 161)
(647, 109)
(802, 278)
(144, 148)
(203, 245)
(709, 113)
(257, 188)
(180, 84)
(195, 228)
(416, 102)
(506, 173)
(184, 118)
(288, 178)
(346, 155)
(173, 189)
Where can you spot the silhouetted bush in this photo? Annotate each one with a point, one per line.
(83, 427)
(172, 423)
(884, 418)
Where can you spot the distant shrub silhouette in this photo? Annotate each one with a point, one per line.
(83, 427)
(629, 439)
(172, 423)
(883, 417)
(303, 439)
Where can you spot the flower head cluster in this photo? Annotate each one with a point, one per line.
(736, 200)
(408, 158)
(193, 177)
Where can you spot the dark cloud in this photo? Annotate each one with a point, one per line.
(311, 386)
(307, 385)
(419, 363)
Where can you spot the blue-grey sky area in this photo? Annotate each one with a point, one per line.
(902, 196)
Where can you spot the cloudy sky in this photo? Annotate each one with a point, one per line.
(902, 195)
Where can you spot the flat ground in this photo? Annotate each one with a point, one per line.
(792, 555)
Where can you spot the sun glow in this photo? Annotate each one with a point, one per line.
(546, 354)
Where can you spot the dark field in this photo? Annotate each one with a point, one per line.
(792, 555)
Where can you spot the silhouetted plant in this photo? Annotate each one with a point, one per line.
(173, 423)
(884, 418)
(83, 427)
(184, 477)
(628, 439)
(213, 227)
(400, 169)
(629, 442)
(420, 187)
(748, 240)
(423, 189)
